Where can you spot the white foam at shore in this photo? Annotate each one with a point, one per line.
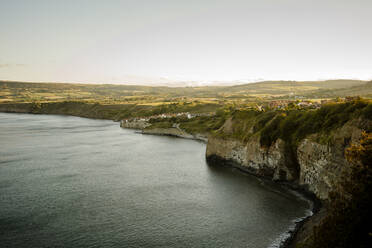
(278, 242)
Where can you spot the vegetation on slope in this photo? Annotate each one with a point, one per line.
(292, 125)
(107, 111)
(195, 125)
(364, 90)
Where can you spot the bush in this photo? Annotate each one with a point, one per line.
(294, 125)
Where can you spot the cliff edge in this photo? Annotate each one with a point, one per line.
(305, 149)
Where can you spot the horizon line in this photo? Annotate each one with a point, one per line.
(222, 83)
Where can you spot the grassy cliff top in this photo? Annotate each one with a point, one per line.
(293, 125)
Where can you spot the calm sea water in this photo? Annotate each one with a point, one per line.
(75, 182)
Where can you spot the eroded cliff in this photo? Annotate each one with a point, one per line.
(321, 164)
(308, 149)
(316, 166)
(252, 157)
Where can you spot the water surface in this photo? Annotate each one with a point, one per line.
(75, 182)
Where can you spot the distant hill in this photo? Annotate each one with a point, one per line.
(22, 91)
(364, 90)
(285, 87)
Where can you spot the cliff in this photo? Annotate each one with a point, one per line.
(321, 164)
(135, 124)
(173, 130)
(306, 150)
(316, 167)
(251, 157)
(176, 132)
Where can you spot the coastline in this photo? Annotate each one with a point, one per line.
(286, 239)
(289, 236)
(173, 132)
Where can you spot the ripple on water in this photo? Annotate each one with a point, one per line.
(75, 182)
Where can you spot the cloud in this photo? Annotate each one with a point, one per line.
(11, 65)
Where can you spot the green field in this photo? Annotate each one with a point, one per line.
(107, 94)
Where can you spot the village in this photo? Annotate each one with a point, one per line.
(143, 122)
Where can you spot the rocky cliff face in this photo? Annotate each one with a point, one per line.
(137, 124)
(316, 166)
(267, 162)
(321, 164)
(175, 131)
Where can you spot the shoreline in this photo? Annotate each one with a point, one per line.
(290, 234)
(174, 136)
(315, 204)
(174, 132)
(58, 114)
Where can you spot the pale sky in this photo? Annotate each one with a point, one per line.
(119, 41)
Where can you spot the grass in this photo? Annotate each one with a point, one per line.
(294, 125)
(116, 94)
(115, 111)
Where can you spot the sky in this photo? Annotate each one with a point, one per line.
(162, 41)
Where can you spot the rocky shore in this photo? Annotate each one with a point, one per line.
(175, 131)
(267, 163)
